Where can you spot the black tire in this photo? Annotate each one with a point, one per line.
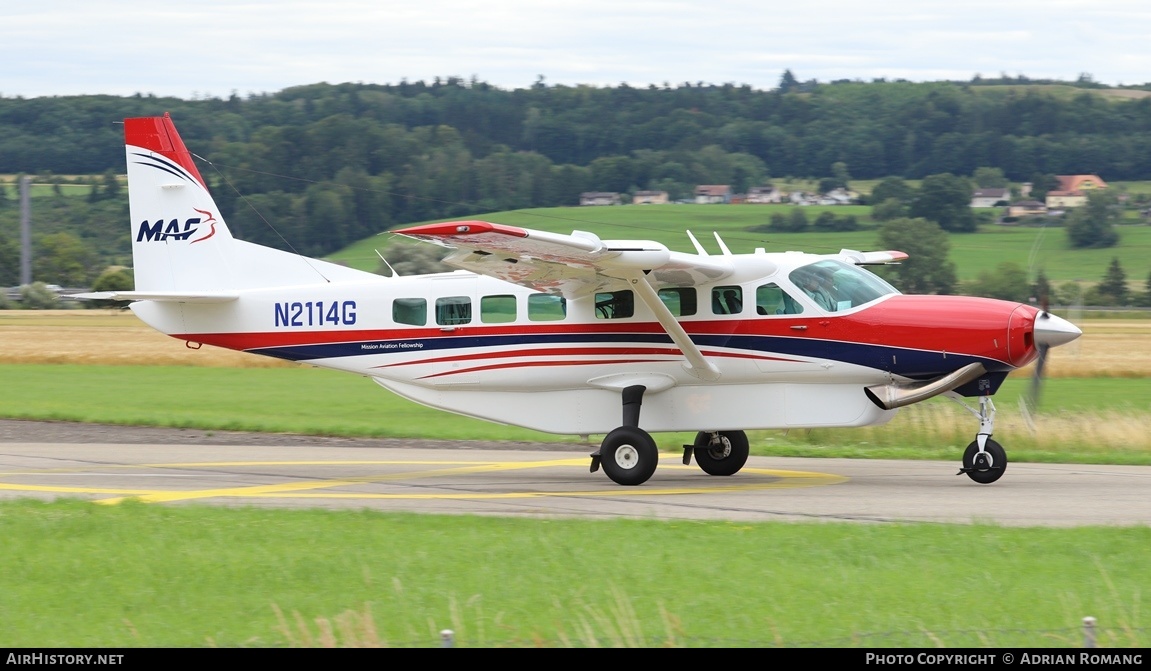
(723, 458)
(985, 473)
(629, 455)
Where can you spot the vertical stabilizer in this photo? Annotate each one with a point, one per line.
(180, 243)
(179, 240)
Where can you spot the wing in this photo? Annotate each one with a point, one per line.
(573, 265)
(580, 264)
(871, 258)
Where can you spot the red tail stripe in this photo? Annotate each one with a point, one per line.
(159, 134)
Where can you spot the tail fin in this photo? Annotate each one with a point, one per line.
(180, 242)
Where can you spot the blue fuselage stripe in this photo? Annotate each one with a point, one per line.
(900, 361)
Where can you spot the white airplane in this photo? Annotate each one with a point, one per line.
(571, 334)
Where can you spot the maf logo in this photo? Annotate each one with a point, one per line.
(159, 231)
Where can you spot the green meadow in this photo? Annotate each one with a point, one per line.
(79, 574)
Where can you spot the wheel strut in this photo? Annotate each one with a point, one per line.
(986, 415)
(632, 403)
(984, 460)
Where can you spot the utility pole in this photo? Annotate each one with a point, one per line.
(25, 231)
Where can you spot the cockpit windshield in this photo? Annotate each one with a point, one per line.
(836, 286)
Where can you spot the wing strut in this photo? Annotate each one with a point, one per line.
(696, 363)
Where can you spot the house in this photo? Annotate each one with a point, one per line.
(990, 197)
(763, 194)
(1072, 190)
(599, 198)
(839, 196)
(1026, 208)
(650, 198)
(707, 194)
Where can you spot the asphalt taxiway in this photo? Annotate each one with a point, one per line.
(555, 481)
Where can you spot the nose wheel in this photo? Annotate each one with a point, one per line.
(984, 466)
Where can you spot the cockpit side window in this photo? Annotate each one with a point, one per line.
(836, 286)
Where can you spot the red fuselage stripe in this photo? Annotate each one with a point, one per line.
(579, 351)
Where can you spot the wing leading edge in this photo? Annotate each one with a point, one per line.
(574, 265)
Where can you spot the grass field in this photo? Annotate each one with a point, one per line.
(75, 574)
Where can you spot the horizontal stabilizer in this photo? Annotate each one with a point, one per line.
(165, 296)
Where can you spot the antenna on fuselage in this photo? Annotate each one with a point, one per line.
(390, 268)
(698, 247)
(722, 244)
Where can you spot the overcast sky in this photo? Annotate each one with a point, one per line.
(216, 47)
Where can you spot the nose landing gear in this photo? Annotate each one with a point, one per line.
(984, 460)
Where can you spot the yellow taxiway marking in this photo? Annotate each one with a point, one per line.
(782, 479)
(4, 486)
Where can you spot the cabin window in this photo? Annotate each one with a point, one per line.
(614, 305)
(771, 300)
(679, 300)
(547, 307)
(498, 309)
(727, 300)
(413, 311)
(451, 310)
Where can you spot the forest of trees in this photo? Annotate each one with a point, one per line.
(331, 164)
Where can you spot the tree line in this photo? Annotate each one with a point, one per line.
(338, 161)
(324, 165)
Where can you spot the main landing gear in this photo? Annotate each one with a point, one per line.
(984, 460)
(718, 452)
(629, 454)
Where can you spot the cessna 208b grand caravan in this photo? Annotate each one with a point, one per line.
(572, 334)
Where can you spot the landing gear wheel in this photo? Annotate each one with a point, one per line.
(721, 453)
(987, 467)
(629, 455)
